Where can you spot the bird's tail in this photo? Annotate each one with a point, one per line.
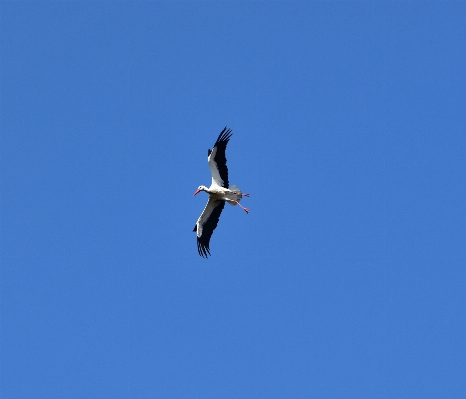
(234, 187)
(237, 195)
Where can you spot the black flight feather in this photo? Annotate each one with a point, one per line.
(208, 228)
(220, 158)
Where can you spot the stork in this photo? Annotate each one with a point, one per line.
(219, 193)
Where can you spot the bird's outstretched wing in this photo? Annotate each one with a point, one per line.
(206, 225)
(217, 160)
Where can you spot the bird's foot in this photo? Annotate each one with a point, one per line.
(245, 195)
(246, 210)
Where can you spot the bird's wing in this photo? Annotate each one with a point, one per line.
(206, 225)
(217, 160)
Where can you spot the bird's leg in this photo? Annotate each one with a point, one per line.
(245, 209)
(238, 193)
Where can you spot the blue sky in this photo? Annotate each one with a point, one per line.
(346, 280)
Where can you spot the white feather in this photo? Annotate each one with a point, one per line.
(216, 179)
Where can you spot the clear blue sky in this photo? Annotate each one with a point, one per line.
(346, 280)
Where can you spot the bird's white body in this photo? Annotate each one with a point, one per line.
(224, 194)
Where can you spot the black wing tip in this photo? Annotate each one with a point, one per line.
(224, 136)
(203, 249)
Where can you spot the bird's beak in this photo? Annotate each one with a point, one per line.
(197, 192)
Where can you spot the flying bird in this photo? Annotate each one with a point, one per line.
(219, 193)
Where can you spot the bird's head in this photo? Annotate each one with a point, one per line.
(199, 189)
